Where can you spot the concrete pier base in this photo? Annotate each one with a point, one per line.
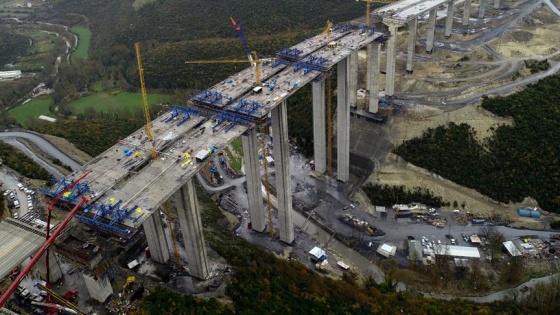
(191, 228)
(319, 126)
(412, 27)
(481, 8)
(282, 171)
(342, 124)
(466, 12)
(156, 237)
(374, 53)
(55, 273)
(391, 59)
(431, 31)
(253, 176)
(98, 289)
(449, 18)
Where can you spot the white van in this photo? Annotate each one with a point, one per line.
(20, 186)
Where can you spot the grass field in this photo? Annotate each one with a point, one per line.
(32, 109)
(84, 35)
(114, 102)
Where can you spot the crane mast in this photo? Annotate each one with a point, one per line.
(148, 126)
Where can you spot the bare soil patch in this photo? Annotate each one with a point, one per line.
(68, 148)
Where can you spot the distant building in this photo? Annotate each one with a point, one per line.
(457, 251)
(5, 75)
(512, 249)
(387, 250)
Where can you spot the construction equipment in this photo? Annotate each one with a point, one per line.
(66, 305)
(266, 180)
(165, 208)
(258, 61)
(368, 8)
(130, 280)
(148, 126)
(241, 34)
(327, 32)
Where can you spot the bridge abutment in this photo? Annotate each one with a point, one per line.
(282, 171)
(319, 128)
(253, 176)
(191, 228)
(157, 240)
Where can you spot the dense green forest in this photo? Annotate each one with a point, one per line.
(16, 160)
(515, 162)
(264, 284)
(385, 195)
(11, 46)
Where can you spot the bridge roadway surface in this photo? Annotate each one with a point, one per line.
(146, 189)
(17, 242)
(404, 11)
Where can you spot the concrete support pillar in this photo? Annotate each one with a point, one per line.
(98, 289)
(191, 228)
(373, 52)
(481, 8)
(342, 124)
(391, 60)
(282, 171)
(412, 27)
(319, 136)
(431, 31)
(449, 19)
(466, 12)
(55, 273)
(156, 237)
(353, 79)
(253, 176)
(496, 4)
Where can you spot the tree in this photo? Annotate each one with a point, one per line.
(494, 239)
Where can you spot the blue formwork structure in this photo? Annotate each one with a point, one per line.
(114, 212)
(75, 193)
(290, 54)
(342, 28)
(187, 113)
(211, 97)
(234, 119)
(247, 107)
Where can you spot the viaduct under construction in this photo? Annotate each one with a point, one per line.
(128, 187)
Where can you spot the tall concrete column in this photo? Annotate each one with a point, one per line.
(374, 53)
(342, 124)
(481, 8)
(98, 289)
(412, 27)
(431, 31)
(391, 59)
(282, 171)
(466, 12)
(55, 273)
(191, 228)
(353, 79)
(449, 19)
(319, 137)
(253, 176)
(496, 4)
(157, 240)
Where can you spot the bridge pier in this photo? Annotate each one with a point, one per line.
(449, 18)
(412, 30)
(282, 171)
(353, 78)
(157, 240)
(319, 137)
(391, 56)
(191, 228)
(481, 8)
(496, 4)
(373, 52)
(99, 289)
(466, 12)
(431, 31)
(342, 123)
(55, 273)
(253, 176)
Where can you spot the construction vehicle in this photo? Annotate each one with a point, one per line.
(258, 61)
(65, 302)
(241, 34)
(148, 126)
(130, 280)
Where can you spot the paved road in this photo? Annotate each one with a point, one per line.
(42, 144)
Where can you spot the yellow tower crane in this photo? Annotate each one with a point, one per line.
(148, 126)
(368, 8)
(255, 60)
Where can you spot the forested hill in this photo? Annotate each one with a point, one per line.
(117, 22)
